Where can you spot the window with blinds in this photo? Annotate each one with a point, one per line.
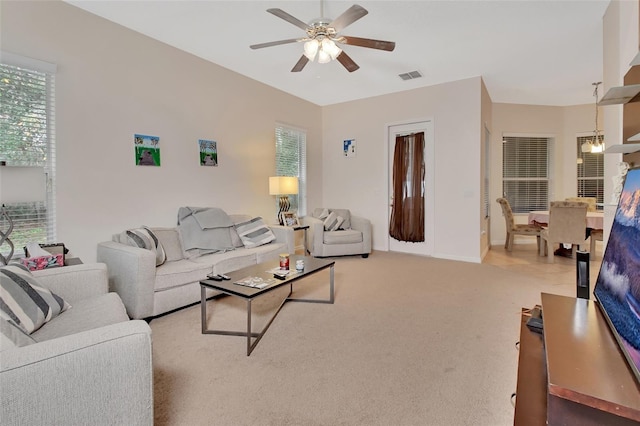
(27, 138)
(590, 171)
(291, 160)
(525, 172)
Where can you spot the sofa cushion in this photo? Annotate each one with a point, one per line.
(321, 213)
(254, 233)
(145, 238)
(344, 214)
(12, 336)
(235, 238)
(87, 314)
(344, 236)
(229, 261)
(270, 251)
(333, 222)
(176, 274)
(24, 301)
(171, 242)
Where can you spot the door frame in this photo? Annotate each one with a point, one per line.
(427, 124)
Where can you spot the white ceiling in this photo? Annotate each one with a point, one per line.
(527, 51)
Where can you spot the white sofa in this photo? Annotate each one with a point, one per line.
(148, 291)
(88, 365)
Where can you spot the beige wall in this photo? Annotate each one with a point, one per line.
(112, 83)
(564, 124)
(486, 124)
(361, 183)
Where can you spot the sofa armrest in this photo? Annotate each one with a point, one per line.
(132, 274)
(75, 282)
(363, 225)
(315, 234)
(103, 375)
(284, 234)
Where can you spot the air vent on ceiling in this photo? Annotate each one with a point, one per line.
(410, 75)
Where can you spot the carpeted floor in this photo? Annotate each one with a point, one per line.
(409, 341)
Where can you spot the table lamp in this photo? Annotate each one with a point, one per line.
(18, 185)
(283, 186)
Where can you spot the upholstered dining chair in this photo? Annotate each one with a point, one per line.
(514, 229)
(567, 222)
(591, 202)
(595, 235)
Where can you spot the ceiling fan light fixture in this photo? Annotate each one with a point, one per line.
(311, 49)
(330, 47)
(323, 57)
(586, 147)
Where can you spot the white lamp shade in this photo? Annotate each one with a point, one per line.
(323, 57)
(21, 184)
(310, 49)
(330, 47)
(283, 185)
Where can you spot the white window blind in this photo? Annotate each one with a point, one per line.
(590, 171)
(525, 172)
(27, 138)
(291, 160)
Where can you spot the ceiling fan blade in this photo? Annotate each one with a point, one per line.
(300, 64)
(348, 17)
(273, 43)
(347, 62)
(370, 43)
(284, 15)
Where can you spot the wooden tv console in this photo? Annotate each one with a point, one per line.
(576, 374)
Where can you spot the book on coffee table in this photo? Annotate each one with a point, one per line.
(255, 282)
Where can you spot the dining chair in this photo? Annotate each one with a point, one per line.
(591, 201)
(567, 223)
(595, 235)
(514, 229)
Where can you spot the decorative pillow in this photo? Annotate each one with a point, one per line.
(254, 233)
(146, 239)
(333, 222)
(24, 301)
(322, 214)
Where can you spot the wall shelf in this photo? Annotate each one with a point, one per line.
(621, 95)
(625, 148)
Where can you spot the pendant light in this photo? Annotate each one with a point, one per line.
(596, 144)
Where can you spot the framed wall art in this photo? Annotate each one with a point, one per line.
(147, 150)
(208, 152)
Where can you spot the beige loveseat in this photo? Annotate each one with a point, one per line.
(87, 365)
(148, 290)
(351, 236)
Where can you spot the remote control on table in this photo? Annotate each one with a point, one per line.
(224, 277)
(214, 277)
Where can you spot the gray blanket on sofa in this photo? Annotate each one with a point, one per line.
(205, 228)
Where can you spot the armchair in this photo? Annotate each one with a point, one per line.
(352, 236)
(89, 365)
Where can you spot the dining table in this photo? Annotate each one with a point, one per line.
(595, 220)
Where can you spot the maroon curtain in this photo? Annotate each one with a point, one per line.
(407, 212)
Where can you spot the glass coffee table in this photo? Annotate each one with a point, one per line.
(260, 271)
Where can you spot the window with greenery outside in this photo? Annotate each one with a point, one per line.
(291, 160)
(27, 139)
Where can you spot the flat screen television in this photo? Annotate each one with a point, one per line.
(617, 288)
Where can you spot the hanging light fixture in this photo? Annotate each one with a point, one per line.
(596, 144)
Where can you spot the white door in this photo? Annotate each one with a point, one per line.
(426, 247)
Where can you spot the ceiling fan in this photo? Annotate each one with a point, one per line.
(322, 36)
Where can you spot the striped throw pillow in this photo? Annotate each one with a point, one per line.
(146, 239)
(254, 233)
(333, 222)
(25, 302)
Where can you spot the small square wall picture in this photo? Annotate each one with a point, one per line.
(349, 147)
(147, 150)
(208, 152)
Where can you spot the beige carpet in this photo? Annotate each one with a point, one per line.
(409, 341)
